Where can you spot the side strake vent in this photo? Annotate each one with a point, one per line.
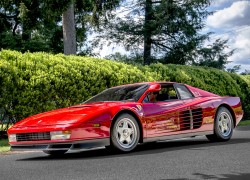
(185, 118)
(197, 118)
(33, 136)
(191, 119)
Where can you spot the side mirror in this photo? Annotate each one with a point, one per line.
(154, 87)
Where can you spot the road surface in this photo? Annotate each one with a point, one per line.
(193, 158)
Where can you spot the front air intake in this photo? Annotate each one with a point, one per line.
(38, 136)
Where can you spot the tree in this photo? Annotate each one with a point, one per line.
(165, 30)
(37, 25)
(246, 72)
(30, 26)
(69, 30)
(213, 55)
(133, 58)
(234, 69)
(84, 8)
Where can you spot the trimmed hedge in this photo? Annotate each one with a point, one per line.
(31, 83)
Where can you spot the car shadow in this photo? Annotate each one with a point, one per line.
(241, 176)
(143, 149)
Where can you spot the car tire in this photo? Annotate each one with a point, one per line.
(55, 153)
(125, 133)
(223, 126)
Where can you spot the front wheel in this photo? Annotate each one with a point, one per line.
(223, 126)
(125, 133)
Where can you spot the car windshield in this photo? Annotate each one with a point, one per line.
(121, 93)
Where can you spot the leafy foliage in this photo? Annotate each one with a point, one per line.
(213, 55)
(30, 26)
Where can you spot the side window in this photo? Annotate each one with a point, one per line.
(184, 92)
(167, 93)
(172, 93)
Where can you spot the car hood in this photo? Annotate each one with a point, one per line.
(71, 115)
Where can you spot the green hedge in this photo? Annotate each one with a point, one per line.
(36, 82)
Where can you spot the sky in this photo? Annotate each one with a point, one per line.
(230, 20)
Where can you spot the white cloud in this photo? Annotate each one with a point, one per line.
(242, 44)
(236, 15)
(232, 21)
(218, 4)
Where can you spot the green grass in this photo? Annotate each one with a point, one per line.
(244, 123)
(4, 145)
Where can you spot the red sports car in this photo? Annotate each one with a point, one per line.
(124, 116)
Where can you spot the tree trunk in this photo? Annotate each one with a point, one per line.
(26, 35)
(147, 33)
(69, 31)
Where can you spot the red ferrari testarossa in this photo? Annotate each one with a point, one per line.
(124, 116)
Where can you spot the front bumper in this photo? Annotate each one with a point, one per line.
(74, 145)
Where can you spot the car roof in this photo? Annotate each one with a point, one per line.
(150, 83)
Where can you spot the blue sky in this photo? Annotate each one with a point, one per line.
(231, 20)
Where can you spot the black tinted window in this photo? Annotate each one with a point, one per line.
(183, 92)
(121, 93)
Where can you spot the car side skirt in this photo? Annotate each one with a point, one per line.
(177, 136)
(89, 144)
(75, 145)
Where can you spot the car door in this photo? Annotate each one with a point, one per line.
(162, 117)
(191, 115)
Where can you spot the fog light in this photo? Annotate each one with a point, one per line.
(12, 138)
(60, 135)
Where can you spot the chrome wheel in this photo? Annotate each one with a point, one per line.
(225, 124)
(126, 133)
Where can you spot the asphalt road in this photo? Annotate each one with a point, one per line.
(193, 158)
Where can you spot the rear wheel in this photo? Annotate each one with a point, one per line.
(55, 153)
(223, 126)
(125, 133)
